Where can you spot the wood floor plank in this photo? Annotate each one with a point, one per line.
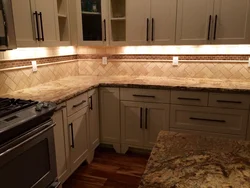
(109, 170)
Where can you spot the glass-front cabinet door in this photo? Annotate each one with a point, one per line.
(93, 22)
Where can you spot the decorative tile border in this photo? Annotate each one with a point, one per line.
(21, 63)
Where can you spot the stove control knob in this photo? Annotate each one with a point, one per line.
(39, 107)
(45, 105)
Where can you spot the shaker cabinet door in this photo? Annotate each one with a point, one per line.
(163, 20)
(61, 137)
(48, 22)
(78, 138)
(132, 123)
(231, 22)
(138, 21)
(25, 23)
(93, 119)
(156, 119)
(194, 21)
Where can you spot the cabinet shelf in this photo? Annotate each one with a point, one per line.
(120, 19)
(62, 15)
(91, 13)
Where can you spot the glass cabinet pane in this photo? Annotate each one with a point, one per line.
(91, 20)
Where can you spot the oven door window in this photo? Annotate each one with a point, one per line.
(30, 165)
(3, 26)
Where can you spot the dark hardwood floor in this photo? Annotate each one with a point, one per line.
(110, 170)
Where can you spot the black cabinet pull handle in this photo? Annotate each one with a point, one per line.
(147, 33)
(144, 96)
(188, 99)
(146, 118)
(233, 102)
(153, 29)
(105, 30)
(141, 118)
(91, 103)
(215, 26)
(72, 135)
(76, 105)
(209, 27)
(62, 107)
(37, 26)
(210, 120)
(41, 20)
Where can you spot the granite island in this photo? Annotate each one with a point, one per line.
(190, 161)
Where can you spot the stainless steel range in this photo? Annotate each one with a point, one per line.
(27, 151)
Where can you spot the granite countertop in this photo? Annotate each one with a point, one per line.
(191, 161)
(66, 88)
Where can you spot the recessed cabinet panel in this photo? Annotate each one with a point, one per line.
(193, 21)
(232, 22)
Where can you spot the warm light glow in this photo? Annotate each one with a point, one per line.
(190, 50)
(68, 50)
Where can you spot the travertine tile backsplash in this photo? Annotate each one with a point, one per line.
(122, 61)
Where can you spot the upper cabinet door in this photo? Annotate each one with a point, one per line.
(138, 22)
(231, 22)
(25, 23)
(92, 21)
(48, 22)
(163, 19)
(194, 19)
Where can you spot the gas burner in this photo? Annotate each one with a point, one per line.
(8, 106)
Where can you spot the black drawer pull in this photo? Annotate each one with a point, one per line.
(146, 118)
(91, 103)
(144, 96)
(76, 105)
(188, 99)
(210, 120)
(141, 118)
(72, 136)
(233, 102)
(209, 27)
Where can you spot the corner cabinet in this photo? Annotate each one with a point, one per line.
(36, 23)
(92, 18)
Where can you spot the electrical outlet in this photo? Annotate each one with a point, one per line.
(104, 60)
(34, 66)
(175, 61)
(249, 63)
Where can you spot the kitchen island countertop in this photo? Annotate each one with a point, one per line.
(188, 161)
(61, 90)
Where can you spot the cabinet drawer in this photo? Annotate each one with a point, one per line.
(225, 100)
(76, 104)
(189, 98)
(216, 120)
(145, 95)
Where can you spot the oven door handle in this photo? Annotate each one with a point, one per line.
(27, 140)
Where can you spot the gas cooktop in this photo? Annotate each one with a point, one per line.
(19, 116)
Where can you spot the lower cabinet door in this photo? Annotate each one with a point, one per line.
(61, 138)
(156, 119)
(93, 119)
(78, 138)
(132, 121)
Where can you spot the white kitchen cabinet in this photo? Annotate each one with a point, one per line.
(163, 21)
(78, 138)
(93, 22)
(141, 123)
(132, 123)
(61, 136)
(194, 21)
(110, 117)
(93, 125)
(232, 22)
(138, 21)
(36, 30)
(156, 119)
(151, 22)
